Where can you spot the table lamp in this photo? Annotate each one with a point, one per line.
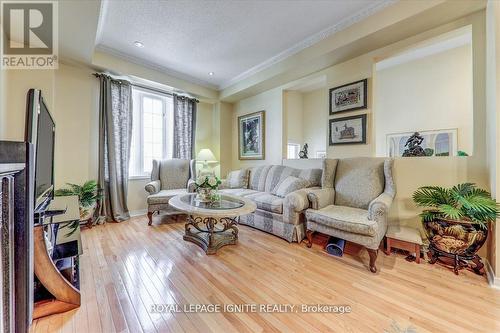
(206, 156)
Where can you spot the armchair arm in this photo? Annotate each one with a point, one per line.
(379, 207)
(153, 187)
(297, 200)
(321, 198)
(191, 186)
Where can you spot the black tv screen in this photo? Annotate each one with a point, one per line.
(44, 152)
(40, 131)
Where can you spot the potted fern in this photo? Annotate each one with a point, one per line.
(456, 220)
(88, 195)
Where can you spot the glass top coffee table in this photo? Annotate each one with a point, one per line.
(212, 225)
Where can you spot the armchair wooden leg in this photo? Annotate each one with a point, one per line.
(309, 236)
(150, 218)
(373, 257)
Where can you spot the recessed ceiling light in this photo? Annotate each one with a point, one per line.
(138, 44)
(211, 73)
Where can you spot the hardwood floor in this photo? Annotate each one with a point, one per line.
(128, 267)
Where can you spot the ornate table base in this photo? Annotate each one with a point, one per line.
(211, 233)
(456, 261)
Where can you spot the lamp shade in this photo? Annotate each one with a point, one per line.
(206, 155)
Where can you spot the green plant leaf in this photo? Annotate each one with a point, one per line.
(432, 196)
(451, 212)
(429, 216)
(62, 192)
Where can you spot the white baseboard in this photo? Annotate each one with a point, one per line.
(134, 213)
(493, 281)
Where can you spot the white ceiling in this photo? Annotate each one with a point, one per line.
(233, 39)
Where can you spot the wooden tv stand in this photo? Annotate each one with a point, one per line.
(57, 290)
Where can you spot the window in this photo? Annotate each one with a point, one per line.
(293, 150)
(152, 130)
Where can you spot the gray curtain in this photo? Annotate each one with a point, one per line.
(115, 132)
(184, 127)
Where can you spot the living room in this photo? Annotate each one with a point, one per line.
(230, 166)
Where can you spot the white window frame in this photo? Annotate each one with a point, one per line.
(296, 146)
(138, 166)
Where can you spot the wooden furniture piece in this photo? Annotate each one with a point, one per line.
(56, 267)
(8, 173)
(212, 225)
(17, 208)
(404, 238)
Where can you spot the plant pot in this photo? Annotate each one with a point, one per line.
(458, 238)
(87, 212)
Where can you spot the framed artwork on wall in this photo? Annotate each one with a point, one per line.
(251, 136)
(349, 97)
(435, 142)
(347, 130)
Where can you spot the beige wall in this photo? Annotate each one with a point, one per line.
(493, 121)
(315, 106)
(270, 101)
(204, 127)
(430, 93)
(71, 94)
(293, 117)
(409, 173)
(222, 136)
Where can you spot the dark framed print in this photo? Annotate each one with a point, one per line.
(348, 130)
(349, 97)
(251, 136)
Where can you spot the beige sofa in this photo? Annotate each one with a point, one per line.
(280, 216)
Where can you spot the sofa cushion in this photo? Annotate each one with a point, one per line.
(267, 201)
(354, 220)
(258, 177)
(289, 185)
(278, 173)
(174, 173)
(358, 181)
(237, 179)
(164, 196)
(240, 192)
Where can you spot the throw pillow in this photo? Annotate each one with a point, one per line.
(289, 185)
(237, 179)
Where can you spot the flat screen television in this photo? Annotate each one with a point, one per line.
(40, 131)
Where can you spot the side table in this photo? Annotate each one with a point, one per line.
(404, 238)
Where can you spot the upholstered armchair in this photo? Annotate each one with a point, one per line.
(353, 203)
(168, 179)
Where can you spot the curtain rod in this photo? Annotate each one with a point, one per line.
(168, 93)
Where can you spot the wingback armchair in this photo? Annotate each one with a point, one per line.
(168, 179)
(353, 203)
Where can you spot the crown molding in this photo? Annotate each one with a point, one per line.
(343, 24)
(308, 42)
(103, 10)
(153, 66)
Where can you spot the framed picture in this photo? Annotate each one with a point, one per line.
(251, 136)
(349, 97)
(435, 143)
(348, 130)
